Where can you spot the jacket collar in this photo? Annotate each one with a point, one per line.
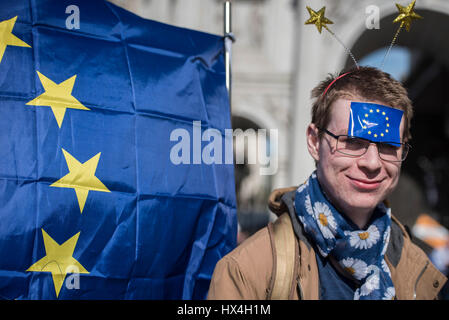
(395, 244)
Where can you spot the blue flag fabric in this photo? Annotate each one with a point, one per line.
(375, 122)
(91, 205)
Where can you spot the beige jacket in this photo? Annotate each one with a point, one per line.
(246, 272)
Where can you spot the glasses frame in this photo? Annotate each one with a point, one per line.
(404, 145)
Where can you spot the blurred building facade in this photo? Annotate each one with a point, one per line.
(277, 60)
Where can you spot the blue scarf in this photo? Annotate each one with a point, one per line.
(359, 252)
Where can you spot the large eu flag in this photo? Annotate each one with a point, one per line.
(91, 205)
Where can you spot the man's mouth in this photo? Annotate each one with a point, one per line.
(364, 184)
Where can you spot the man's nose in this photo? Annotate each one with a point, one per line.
(370, 160)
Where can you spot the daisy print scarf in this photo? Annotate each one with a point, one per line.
(359, 252)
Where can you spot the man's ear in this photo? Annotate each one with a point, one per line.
(313, 141)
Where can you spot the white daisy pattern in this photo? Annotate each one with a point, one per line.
(302, 187)
(303, 221)
(388, 210)
(357, 294)
(325, 219)
(390, 294)
(386, 240)
(323, 253)
(385, 267)
(355, 267)
(371, 284)
(308, 205)
(364, 239)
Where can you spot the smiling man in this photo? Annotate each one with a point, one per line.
(336, 237)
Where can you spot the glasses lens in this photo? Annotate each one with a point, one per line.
(352, 146)
(393, 152)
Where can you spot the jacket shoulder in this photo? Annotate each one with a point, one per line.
(413, 274)
(245, 272)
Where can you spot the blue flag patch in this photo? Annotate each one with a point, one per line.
(375, 122)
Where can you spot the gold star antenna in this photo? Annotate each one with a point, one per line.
(318, 18)
(320, 21)
(405, 17)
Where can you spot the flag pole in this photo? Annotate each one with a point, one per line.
(228, 39)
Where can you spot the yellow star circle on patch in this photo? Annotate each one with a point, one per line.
(407, 15)
(318, 18)
(81, 178)
(58, 97)
(7, 38)
(58, 260)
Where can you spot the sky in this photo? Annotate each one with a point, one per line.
(397, 64)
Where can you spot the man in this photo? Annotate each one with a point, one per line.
(346, 245)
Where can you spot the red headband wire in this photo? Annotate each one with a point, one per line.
(330, 84)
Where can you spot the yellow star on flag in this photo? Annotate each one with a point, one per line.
(58, 260)
(7, 38)
(58, 97)
(81, 178)
(318, 18)
(407, 15)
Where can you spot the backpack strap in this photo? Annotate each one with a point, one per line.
(283, 243)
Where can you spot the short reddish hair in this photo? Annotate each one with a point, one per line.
(365, 82)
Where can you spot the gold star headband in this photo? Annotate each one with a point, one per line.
(406, 16)
(320, 21)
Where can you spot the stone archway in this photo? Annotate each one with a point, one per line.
(425, 35)
(252, 188)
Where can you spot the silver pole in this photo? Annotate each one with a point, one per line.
(228, 39)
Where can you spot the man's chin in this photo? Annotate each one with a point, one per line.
(365, 206)
(364, 201)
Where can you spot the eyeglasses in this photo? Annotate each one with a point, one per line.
(357, 147)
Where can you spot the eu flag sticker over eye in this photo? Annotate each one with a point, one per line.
(375, 122)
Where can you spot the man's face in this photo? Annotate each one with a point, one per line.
(353, 184)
